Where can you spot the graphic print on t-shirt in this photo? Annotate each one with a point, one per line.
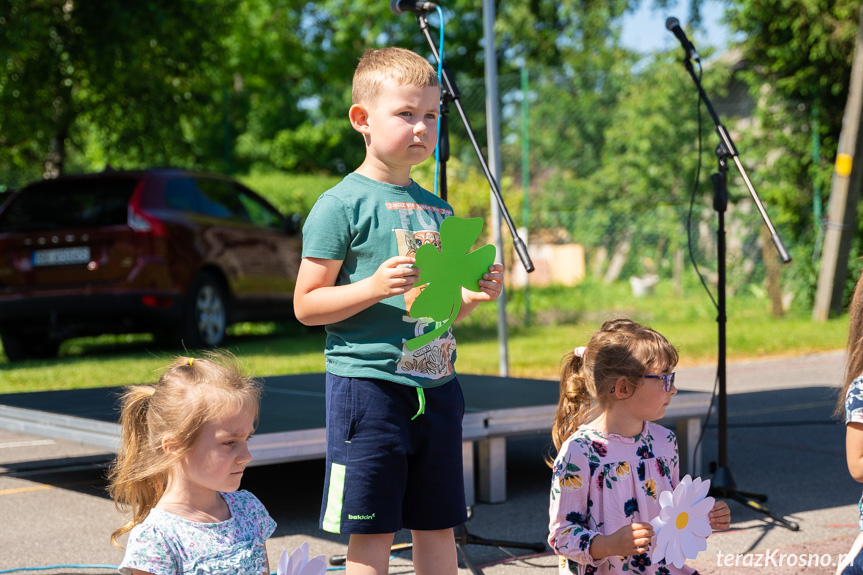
(434, 360)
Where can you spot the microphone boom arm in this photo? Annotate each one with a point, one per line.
(730, 150)
(450, 88)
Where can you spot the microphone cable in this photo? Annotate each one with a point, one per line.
(692, 198)
(692, 255)
(440, 83)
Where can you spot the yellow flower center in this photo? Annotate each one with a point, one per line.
(682, 520)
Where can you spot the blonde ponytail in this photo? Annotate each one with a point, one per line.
(139, 474)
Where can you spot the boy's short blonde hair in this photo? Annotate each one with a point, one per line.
(392, 63)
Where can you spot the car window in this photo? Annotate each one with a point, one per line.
(77, 203)
(219, 199)
(181, 194)
(260, 213)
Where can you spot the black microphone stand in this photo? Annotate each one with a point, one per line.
(722, 484)
(443, 137)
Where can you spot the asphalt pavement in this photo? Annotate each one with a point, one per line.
(782, 442)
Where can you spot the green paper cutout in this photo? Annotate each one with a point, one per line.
(446, 272)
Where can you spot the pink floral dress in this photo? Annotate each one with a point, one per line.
(166, 544)
(601, 483)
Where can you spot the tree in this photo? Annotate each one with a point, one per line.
(105, 82)
(799, 57)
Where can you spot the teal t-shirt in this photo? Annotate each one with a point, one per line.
(363, 223)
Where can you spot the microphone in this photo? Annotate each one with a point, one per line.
(401, 6)
(673, 25)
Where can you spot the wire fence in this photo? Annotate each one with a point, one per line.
(589, 215)
(645, 240)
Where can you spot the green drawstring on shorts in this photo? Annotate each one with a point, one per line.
(422, 397)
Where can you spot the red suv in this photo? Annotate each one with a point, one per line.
(175, 253)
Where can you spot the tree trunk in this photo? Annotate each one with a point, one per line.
(56, 156)
(621, 251)
(772, 282)
(600, 255)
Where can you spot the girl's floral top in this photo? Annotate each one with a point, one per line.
(166, 544)
(603, 482)
(854, 413)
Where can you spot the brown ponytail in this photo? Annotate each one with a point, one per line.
(621, 348)
(854, 367)
(573, 407)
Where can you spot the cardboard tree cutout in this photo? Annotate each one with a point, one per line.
(446, 272)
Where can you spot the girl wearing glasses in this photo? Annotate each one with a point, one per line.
(612, 461)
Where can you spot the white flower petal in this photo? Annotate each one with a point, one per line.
(283, 563)
(674, 553)
(691, 544)
(680, 492)
(293, 565)
(699, 527)
(661, 546)
(315, 566)
(688, 497)
(701, 488)
(298, 559)
(699, 546)
(703, 507)
(666, 499)
(666, 514)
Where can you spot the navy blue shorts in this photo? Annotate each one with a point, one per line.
(385, 471)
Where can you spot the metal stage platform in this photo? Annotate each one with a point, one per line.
(293, 418)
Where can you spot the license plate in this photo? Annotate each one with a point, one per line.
(61, 256)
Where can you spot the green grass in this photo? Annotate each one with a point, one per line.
(290, 193)
(562, 318)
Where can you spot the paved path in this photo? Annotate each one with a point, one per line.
(781, 442)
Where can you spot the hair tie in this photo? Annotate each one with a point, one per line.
(579, 351)
(191, 359)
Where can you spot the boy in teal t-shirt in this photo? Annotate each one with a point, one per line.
(390, 464)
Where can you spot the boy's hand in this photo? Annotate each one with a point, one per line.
(632, 539)
(720, 516)
(395, 276)
(490, 285)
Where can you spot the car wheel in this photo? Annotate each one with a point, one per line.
(206, 313)
(21, 347)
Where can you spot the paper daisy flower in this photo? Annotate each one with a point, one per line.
(682, 526)
(298, 562)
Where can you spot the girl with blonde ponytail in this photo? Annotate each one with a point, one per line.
(612, 460)
(183, 451)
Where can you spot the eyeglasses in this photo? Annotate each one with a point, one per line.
(667, 380)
